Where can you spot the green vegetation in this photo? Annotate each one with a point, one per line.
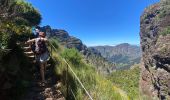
(127, 80)
(72, 55)
(16, 19)
(97, 85)
(164, 11)
(15, 73)
(165, 31)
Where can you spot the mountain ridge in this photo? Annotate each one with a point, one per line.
(124, 53)
(92, 57)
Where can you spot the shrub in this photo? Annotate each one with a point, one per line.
(17, 18)
(54, 42)
(128, 80)
(72, 55)
(165, 31)
(164, 11)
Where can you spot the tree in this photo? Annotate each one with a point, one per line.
(16, 18)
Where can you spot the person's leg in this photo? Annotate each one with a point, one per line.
(42, 72)
(45, 66)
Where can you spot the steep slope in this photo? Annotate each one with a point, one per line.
(98, 86)
(123, 54)
(155, 37)
(128, 80)
(92, 57)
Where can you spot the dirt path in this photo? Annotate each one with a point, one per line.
(49, 92)
(37, 92)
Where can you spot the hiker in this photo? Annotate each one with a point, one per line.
(41, 52)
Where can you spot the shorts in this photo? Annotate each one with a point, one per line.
(43, 57)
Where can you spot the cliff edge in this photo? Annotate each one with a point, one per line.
(155, 45)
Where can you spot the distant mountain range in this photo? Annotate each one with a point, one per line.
(104, 58)
(124, 55)
(92, 57)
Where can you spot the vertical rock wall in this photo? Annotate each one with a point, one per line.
(155, 45)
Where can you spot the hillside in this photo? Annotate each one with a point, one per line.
(128, 80)
(73, 66)
(92, 57)
(99, 87)
(155, 37)
(16, 19)
(123, 55)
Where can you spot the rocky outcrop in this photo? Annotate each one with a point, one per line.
(155, 44)
(64, 38)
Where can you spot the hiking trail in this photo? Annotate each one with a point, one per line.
(37, 92)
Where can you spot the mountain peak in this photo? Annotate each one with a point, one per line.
(123, 44)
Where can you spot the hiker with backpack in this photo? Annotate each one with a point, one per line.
(41, 52)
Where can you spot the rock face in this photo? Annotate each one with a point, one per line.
(64, 38)
(92, 56)
(155, 44)
(123, 53)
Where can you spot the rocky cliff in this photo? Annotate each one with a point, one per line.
(92, 56)
(64, 38)
(124, 55)
(155, 44)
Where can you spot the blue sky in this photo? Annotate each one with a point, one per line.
(95, 22)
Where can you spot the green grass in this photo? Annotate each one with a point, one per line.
(127, 80)
(97, 85)
(165, 31)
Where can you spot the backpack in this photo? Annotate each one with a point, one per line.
(40, 46)
(33, 47)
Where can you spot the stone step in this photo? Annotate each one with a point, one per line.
(27, 49)
(29, 53)
(22, 44)
(31, 58)
(62, 98)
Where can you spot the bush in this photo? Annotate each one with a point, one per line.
(128, 80)
(4, 40)
(165, 31)
(72, 55)
(54, 42)
(20, 17)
